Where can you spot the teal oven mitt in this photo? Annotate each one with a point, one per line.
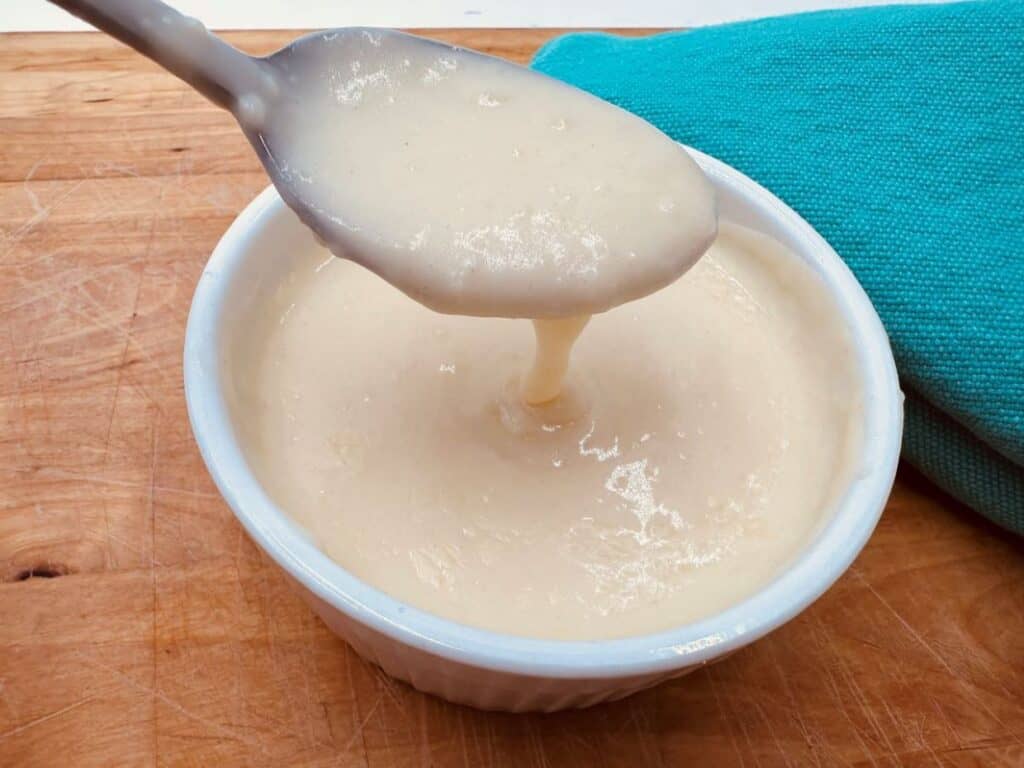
(898, 133)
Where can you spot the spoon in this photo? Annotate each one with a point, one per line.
(474, 185)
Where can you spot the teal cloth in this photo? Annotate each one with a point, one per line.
(898, 133)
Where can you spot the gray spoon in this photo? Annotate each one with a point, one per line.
(246, 86)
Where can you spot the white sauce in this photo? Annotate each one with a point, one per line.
(703, 433)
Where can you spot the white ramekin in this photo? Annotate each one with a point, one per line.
(486, 669)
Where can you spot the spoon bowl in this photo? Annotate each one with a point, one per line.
(474, 185)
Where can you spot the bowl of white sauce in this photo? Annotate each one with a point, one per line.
(723, 451)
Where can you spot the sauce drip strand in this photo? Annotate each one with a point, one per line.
(555, 339)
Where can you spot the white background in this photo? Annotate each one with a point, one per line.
(26, 15)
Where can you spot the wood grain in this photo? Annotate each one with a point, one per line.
(139, 627)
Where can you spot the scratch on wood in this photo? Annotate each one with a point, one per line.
(57, 473)
(152, 581)
(460, 722)
(21, 232)
(824, 641)
(309, 673)
(424, 735)
(7, 700)
(349, 657)
(390, 689)
(124, 356)
(107, 536)
(724, 717)
(360, 729)
(750, 744)
(771, 730)
(39, 720)
(537, 742)
(33, 198)
(649, 750)
(932, 652)
(865, 707)
(787, 689)
(85, 275)
(158, 694)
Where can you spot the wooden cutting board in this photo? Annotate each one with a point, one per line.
(140, 627)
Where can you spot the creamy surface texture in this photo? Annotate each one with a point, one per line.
(702, 434)
(474, 185)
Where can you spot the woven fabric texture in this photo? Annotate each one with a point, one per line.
(898, 133)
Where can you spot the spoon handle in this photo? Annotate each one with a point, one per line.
(181, 45)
